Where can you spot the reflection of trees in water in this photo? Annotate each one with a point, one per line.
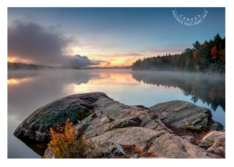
(209, 88)
(22, 74)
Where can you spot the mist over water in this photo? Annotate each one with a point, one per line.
(209, 88)
(29, 90)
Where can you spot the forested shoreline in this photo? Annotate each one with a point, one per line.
(23, 66)
(206, 57)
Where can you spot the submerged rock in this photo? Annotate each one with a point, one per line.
(182, 114)
(216, 126)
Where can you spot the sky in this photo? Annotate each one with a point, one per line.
(104, 36)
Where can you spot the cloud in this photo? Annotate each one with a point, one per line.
(82, 61)
(130, 60)
(131, 54)
(31, 41)
(40, 45)
(108, 64)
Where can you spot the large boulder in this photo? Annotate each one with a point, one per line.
(182, 114)
(74, 107)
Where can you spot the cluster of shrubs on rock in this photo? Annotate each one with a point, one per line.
(64, 144)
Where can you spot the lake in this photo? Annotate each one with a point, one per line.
(29, 90)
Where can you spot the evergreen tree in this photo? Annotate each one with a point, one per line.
(196, 45)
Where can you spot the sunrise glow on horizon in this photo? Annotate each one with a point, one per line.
(102, 37)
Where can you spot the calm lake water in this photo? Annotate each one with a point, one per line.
(29, 90)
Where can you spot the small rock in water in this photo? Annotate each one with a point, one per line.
(216, 126)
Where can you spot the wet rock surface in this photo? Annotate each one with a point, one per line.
(122, 131)
(215, 125)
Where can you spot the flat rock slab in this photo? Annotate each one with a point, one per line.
(213, 136)
(182, 114)
(171, 146)
(156, 143)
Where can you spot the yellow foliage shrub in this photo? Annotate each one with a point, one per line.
(63, 143)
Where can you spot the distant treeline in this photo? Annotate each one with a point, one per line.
(206, 57)
(101, 68)
(23, 66)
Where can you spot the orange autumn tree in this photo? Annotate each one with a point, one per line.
(214, 53)
(63, 143)
(204, 46)
(194, 54)
(222, 54)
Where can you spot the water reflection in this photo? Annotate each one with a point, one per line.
(206, 87)
(29, 90)
(32, 92)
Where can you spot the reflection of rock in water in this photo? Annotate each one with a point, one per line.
(38, 147)
(209, 88)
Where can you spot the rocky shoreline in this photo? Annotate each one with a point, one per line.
(174, 129)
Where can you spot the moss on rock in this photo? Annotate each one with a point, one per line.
(56, 116)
